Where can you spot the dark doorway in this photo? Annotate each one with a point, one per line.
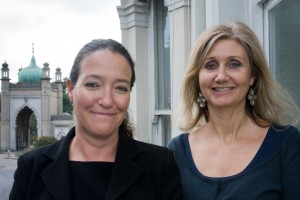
(25, 121)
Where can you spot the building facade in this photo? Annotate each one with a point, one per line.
(160, 33)
(32, 94)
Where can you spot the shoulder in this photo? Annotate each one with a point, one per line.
(35, 152)
(293, 135)
(51, 150)
(284, 129)
(177, 141)
(151, 148)
(289, 139)
(150, 156)
(38, 155)
(285, 132)
(153, 158)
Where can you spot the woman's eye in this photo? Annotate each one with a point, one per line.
(122, 88)
(91, 85)
(211, 65)
(234, 64)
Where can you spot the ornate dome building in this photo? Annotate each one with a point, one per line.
(32, 73)
(32, 94)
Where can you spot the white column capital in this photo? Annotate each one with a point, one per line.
(176, 4)
(133, 14)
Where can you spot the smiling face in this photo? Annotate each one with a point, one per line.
(225, 75)
(101, 94)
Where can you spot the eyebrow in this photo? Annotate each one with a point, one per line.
(117, 80)
(229, 57)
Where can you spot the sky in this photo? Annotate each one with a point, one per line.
(55, 29)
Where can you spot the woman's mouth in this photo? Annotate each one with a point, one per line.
(222, 89)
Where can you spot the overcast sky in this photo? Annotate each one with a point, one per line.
(58, 29)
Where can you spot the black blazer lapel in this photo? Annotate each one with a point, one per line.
(56, 176)
(126, 171)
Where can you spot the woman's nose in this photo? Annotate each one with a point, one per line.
(106, 97)
(221, 75)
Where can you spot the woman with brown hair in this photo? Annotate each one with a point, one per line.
(99, 159)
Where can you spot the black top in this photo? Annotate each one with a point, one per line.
(141, 171)
(89, 180)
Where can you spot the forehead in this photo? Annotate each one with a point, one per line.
(104, 62)
(228, 47)
(103, 55)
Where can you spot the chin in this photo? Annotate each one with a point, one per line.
(223, 105)
(107, 130)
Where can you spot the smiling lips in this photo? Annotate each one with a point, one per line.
(104, 113)
(222, 89)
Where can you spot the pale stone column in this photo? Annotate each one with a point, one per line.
(134, 28)
(198, 19)
(180, 28)
(46, 107)
(5, 137)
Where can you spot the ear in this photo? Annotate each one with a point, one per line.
(70, 88)
(252, 79)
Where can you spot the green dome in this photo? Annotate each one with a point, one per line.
(32, 73)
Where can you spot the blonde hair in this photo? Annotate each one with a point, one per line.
(273, 105)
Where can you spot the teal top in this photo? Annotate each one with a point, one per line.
(272, 174)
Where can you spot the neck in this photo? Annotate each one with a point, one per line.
(228, 126)
(93, 149)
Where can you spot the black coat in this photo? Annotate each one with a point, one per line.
(142, 171)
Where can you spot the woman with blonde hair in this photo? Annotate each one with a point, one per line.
(239, 142)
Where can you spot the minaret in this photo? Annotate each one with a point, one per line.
(58, 75)
(5, 72)
(46, 71)
(59, 83)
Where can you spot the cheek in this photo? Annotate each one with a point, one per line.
(204, 80)
(243, 79)
(82, 98)
(123, 102)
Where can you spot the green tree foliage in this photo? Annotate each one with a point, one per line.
(33, 128)
(67, 106)
(44, 140)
